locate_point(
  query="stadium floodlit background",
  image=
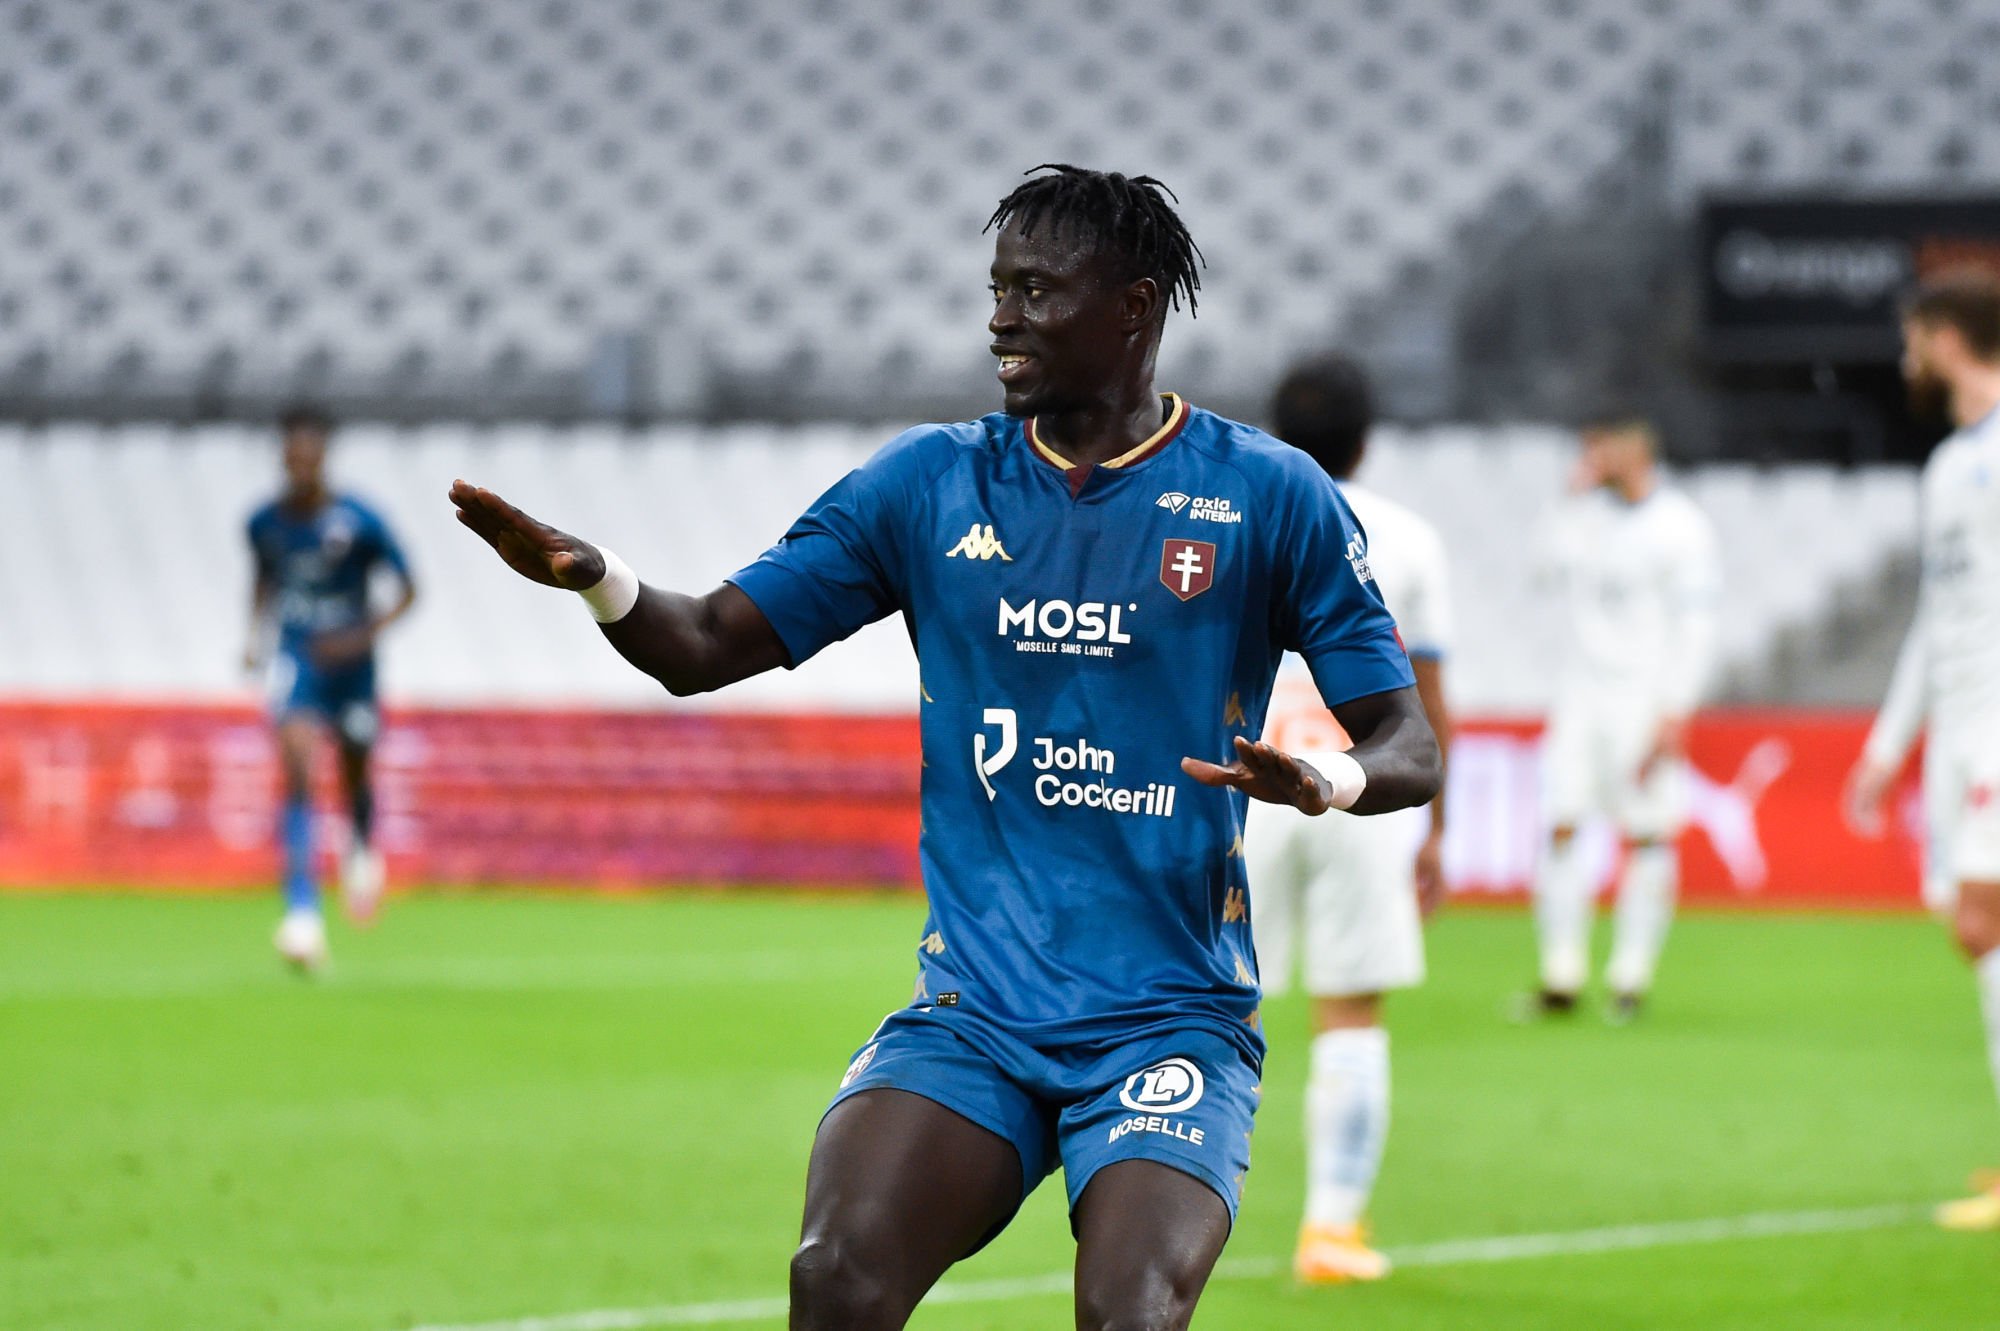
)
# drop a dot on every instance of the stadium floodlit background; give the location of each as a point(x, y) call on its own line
point(661, 272)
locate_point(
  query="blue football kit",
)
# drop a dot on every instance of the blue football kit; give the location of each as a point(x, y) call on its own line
point(318, 566)
point(1086, 982)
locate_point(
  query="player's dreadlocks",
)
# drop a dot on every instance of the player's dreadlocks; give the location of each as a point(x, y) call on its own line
point(1127, 217)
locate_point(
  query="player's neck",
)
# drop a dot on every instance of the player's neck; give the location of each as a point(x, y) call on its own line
point(1638, 486)
point(1975, 396)
point(307, 501)
point(1089, 436)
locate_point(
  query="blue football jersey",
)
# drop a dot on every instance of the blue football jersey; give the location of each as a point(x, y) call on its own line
point(1078, 632)
point(318, 565)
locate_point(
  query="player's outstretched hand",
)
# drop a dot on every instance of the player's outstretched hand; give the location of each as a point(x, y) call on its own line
point(1429, 873)
point(1268, 774)
point(1867, 791)
point(532, 549)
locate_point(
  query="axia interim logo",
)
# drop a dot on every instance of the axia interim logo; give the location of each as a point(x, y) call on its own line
point(1201, 510)
point(1082, 628)
point(980, 543)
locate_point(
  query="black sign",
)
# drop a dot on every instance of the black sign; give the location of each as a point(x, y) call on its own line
point(1801, 279)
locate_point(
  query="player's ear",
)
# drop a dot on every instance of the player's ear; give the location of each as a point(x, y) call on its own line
point(1140, 306)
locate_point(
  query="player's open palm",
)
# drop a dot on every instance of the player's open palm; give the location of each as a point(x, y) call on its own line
point(1265, 773)
point(532, 549)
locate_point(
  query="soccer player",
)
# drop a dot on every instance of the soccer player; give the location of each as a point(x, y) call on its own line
point(1637, 568)
point(1099, 582)
point(1947, 678)
point(314, 553)
point(1343, 894)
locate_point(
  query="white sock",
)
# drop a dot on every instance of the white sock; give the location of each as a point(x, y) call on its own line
point(1563, 909)
point(1347, 1122)
point(1645, 912)
point(1989, 1000)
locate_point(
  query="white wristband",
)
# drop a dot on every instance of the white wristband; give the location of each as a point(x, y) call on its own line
point(612, 596)
point(1344, 774)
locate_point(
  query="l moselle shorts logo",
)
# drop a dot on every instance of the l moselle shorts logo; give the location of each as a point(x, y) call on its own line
point(1170, 1087)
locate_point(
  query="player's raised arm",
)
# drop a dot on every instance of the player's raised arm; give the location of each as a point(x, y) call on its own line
point(691, 644)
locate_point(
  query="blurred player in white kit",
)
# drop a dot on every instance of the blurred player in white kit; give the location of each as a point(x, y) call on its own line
point(1635, 564)
point(1947, 679)
point(1341, 894)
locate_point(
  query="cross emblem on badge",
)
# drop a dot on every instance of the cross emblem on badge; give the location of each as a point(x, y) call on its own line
point(1187, 568)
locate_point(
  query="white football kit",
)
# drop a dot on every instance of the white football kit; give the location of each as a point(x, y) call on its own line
point(1947, 677)
point(1639, 583)
point(1340, 885)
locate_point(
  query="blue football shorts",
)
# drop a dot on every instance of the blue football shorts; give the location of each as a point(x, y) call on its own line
point(343, 697)
point(1185, 1098)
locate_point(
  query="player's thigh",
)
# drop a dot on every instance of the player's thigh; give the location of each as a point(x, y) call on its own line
point(298, 736)
point(1975, 848)
point(925, 1154)
point(1186, 1099)
point(899, 1188)
point(1648, 801)
point(1363, 930)
point(1572, 766)
point(1945, 788)
point(1147, 1238)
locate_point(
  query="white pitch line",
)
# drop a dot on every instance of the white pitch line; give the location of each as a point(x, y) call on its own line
point(1450, 1252)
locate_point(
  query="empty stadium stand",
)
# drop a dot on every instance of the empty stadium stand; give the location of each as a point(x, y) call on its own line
point(153, 519)
point(635, 207)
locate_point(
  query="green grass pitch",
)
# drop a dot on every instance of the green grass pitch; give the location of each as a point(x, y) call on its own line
point(501, 1107)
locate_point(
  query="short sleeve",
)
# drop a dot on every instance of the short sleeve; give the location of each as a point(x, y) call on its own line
point(841, 566)
point(386, 548)
point(260, 552)
point(1330, 612)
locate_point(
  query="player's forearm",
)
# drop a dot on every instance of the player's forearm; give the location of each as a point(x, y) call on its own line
point(398, 610)
point(696, 644)
point(1430, 691)
point(1396, 749)
point(1902, 714)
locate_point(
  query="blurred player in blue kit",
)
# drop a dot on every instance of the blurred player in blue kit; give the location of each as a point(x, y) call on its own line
point(1099, 582)
point(314, 553)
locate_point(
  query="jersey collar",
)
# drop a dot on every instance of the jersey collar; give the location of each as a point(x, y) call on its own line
point(1177, 416)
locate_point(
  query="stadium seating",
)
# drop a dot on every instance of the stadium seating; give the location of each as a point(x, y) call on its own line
point(153, 521)
point(238, 197)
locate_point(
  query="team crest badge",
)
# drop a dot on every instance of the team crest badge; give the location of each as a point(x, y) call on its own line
point(1187, 568)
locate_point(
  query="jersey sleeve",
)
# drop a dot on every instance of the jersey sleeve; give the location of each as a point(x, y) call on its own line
point(385, 548)
point(261, 560)
point(842, 564)
point(1329, 610)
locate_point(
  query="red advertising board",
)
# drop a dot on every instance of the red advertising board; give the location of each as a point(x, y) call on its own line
point(176, 795)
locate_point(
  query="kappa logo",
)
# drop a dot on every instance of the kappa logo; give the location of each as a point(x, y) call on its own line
point(980, 543)
point(1173, 501)
point(1170, 1087)
point(1187, 568)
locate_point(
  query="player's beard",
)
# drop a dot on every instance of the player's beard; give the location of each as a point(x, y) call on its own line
point(1929, 396)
